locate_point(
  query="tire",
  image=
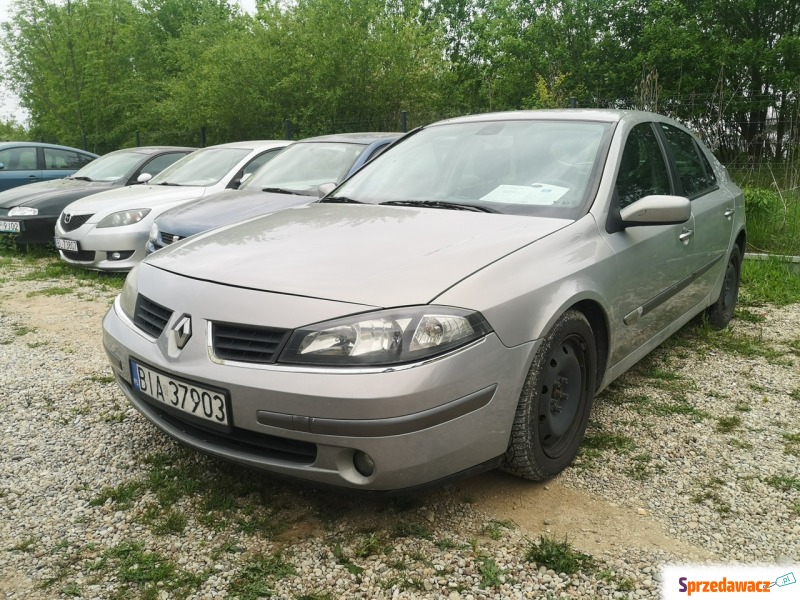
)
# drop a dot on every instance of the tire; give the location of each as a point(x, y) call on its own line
point(719, 314)
point(555, 402)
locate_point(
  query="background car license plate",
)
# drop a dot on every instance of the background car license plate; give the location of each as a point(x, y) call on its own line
point(70, 245)
point(206, 404)
point(9, 226)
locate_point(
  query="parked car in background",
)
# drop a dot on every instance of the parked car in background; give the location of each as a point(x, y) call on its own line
point(108, 231)
point(292, 179)
point(30, 212)
point(22, 163)
point(453, 306)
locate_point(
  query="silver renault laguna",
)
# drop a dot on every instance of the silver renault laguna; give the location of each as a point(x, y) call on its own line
point(452, 307)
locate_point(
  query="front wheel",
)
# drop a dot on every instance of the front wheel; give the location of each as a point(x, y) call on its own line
point(555, 402)
point(720, 313)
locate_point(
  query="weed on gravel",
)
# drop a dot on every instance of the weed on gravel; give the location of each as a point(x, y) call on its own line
point(558, 555)
point(254, 578)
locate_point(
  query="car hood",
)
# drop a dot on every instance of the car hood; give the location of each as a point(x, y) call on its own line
point(372, 255)
point(140, 196)
point(225, 208)
point(41, 195)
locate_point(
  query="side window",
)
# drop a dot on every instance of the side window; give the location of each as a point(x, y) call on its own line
point(63, 159)
point(259, 161)
point(642, 170)
point(18, 159)
point(693, 168)
point(159, 163)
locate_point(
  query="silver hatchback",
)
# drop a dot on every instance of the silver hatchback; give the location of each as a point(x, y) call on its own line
point(454, 306)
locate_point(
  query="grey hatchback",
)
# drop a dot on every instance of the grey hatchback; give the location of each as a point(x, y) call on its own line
point(453, 306)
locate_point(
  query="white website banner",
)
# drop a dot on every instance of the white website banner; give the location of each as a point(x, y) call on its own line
point(729, 582)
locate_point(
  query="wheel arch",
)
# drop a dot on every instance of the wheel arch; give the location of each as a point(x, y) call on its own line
point(598, 320)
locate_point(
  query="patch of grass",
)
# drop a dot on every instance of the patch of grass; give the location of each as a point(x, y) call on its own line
point(123, 495)
point(20, 330)
point(728, 424)
point(742, 407)
point(558, 555)
point(681, 407)
point(709, 494)
point(252, 581)
point(102, 379)
point(490, 573)
point(626, 585)
point(796, 508)
point(792, 444)
point(171, 523)
point(598, 440)
point(494, 529)
point(783, 483)
point(316, 596)
point(640, 469)
point(52, 291)
point(795, 394)
point(342, 559)
point(36, 344)
point(72, 589)
point(769, 282)
point(746, 315)
point(371, 545)
point(136, 565)
point(408, 529)
point(741, 444)
point(26, 545)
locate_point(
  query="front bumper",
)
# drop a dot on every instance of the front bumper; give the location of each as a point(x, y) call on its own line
point(418, 423)
point(34, 229)
point(96, 247)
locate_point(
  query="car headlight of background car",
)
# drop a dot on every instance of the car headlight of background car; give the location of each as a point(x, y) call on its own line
point(124, 217)
point(385, 337)
point(127, 298)
point(23, 211)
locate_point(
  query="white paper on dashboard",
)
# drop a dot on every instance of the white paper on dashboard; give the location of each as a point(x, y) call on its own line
point(543, 194)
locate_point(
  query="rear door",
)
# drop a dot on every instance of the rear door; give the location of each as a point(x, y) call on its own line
point(59, 163)
point(20, 166)
point(712, 206)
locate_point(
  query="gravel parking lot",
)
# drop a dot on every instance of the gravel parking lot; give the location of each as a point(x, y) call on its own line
point(693, 456)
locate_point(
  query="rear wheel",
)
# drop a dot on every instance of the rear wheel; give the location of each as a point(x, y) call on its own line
point(555, 402)
point(720, 313)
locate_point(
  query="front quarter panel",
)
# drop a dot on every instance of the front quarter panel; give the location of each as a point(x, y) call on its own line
point(523, 294)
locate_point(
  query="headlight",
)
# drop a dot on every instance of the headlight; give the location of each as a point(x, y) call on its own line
point(124, 217)
point(23, 211)
point(154, 232)
point(386, 337)
point(130, 290)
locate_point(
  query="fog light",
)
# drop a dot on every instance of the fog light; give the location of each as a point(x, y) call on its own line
point(121, 255)
point(115, 256)
point(363, 463)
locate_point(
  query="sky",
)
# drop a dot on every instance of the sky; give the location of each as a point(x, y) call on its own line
point(9, 103)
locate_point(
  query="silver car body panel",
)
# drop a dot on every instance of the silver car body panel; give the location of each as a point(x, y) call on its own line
point(423, 421)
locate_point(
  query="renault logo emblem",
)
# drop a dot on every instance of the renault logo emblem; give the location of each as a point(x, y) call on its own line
point(182, 330)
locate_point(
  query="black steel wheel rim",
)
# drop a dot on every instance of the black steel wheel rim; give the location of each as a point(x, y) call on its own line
point(729, 287)
point(562, 395)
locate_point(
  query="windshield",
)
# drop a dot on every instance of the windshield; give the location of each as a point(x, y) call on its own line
point(304, 166)
point(203, 167)
point(514, 167)
point(110, 167)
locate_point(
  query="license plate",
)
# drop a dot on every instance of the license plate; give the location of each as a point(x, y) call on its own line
point(69, 245)
point(201, 402)
point(9, 226)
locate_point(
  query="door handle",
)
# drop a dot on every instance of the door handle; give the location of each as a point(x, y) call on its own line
point(32, 177)
point(729, 213)
point(685, 235)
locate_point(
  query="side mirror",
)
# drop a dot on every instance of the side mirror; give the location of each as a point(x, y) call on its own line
point(657, 210)
point(325, 189)
point(2, 166)
point(144, 178)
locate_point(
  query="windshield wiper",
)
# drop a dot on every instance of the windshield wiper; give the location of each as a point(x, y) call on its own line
point(440, 204)
point(340, 200)
point(81, 178)
point(169, 183)
point(277, 190)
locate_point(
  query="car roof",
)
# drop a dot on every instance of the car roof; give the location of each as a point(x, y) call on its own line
point(153, 149)
point(567, 114)
point(42, 145)
point(355, 138)
point(253, 144)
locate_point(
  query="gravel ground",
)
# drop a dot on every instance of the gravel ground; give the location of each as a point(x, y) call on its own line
point(693, 456)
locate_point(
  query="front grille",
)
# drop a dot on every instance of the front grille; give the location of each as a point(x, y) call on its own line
point(150, 317)
point(247, 344)
point(240, 440)
point(72, 222)
point(167, 238)
point(80, 255)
